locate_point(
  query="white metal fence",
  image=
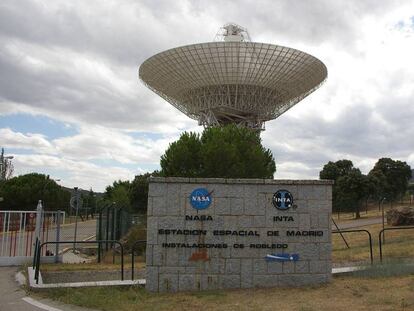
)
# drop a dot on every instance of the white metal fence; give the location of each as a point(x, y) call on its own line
point(19, 230)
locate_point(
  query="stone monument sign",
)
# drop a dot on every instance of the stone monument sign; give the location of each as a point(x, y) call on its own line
point(237, 233)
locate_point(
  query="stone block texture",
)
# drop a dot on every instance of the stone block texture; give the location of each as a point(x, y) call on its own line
point(208, 260)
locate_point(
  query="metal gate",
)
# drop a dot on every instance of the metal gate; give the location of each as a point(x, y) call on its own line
point(19, 230)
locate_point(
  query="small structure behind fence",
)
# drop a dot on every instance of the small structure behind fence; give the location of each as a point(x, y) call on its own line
point(19, 230)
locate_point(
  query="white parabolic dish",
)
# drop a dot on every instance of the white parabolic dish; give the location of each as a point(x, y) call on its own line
point(225, 82)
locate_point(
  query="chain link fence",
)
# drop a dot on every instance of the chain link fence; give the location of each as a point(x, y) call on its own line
point(112, 223)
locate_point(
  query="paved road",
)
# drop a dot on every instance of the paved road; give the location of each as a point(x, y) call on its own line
point(358, 223)
point(85, 230)
point(13, 298)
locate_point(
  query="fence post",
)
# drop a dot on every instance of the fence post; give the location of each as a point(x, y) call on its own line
point(119, 223)
point(114, 214)
point(113, 233)
point(57, 237)
point(35, 253)
point(39, 210)
point(3, 226)
point(107, 228)
point(99, 235)
point(370, 247)
point(76, 218)
point(37, 263)
point(380, 244)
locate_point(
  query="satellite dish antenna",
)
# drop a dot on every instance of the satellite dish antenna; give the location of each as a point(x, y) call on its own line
point(233, 80)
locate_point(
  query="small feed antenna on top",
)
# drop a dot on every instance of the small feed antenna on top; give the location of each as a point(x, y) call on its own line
point(232, 33)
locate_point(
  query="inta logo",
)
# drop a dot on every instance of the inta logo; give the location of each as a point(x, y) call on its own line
point(282, 200)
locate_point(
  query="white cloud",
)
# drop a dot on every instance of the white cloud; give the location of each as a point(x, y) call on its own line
point(95, 142)
point(76, 173)
point(36, 142)
point(75, 155)
point(77, 62)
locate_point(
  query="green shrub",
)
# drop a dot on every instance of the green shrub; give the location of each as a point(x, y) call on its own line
point(136, 233)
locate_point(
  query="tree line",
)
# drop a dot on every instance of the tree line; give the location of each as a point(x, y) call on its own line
point(227, 152)
point(23, 193)
point(387, 180)
point(129, 195)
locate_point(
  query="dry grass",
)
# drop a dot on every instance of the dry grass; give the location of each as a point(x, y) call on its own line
point(372, 212)
point(105, 264)
point(374, 290)
point(399, 244)
point(347, 217)
point(343, 293)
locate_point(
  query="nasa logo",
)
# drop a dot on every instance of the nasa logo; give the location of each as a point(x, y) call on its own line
point(200, 198)
point(282, 200)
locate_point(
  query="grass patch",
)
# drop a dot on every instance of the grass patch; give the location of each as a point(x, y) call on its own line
point(399, 244)
point(343, 293)
point(347, 217)
point(88, 266)
point(372, 212)
point(389, 269)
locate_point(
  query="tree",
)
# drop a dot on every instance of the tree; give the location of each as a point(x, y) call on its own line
point(334, 171)
point(139, 193)
point(90, 202)
point(183, 157)
point(396, 174)
point(23, 193)
point(377, 184)
point(411, 189)
point(228, 152)
point(351, 189)
point(132, 196)
point(91, 198)
point(118, 193)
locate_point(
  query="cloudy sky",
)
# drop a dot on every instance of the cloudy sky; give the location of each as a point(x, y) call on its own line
point(72, 106)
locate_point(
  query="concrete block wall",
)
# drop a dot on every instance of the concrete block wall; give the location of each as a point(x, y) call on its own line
point(237, 261)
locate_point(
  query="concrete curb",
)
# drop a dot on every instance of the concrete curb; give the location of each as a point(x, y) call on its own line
point(139, 282)
point(345, 270)
point(41, 285)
